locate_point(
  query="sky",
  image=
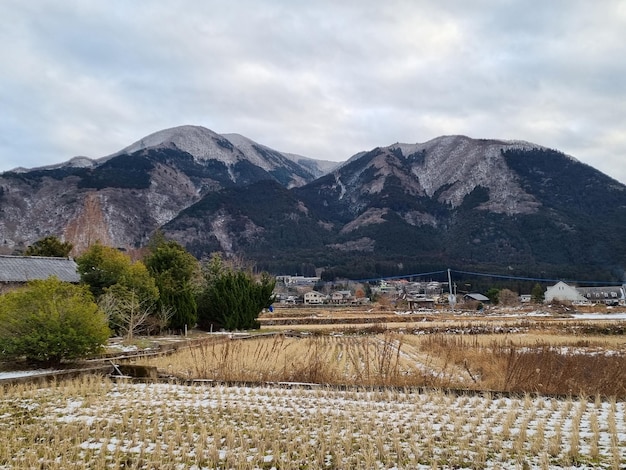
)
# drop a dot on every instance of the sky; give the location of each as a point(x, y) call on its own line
point(321, 78)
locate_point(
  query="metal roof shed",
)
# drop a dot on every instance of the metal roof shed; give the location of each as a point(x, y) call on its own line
point(478, 297)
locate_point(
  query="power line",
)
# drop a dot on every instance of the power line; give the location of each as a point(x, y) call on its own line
point(497, 276)
point(537, 279)
point(403, 276)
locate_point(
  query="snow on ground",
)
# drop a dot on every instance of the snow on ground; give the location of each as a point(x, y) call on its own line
point(113, 425)
point(14, 374)
point(599, 316)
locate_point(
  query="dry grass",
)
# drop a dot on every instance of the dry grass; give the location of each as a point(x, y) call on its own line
point(568, 367)
point(549, 364)
point(363, 360)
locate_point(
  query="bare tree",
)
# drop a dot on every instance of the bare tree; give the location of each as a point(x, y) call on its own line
point(128, 314)
point(508, 298)
point(159, 320)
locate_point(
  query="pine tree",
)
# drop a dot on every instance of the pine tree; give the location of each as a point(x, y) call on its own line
point(49, 246)
point(537, 294)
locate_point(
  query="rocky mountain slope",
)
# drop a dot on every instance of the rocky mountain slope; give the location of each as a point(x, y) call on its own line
point(452, 201)
point(121, 199)
point(449, 202)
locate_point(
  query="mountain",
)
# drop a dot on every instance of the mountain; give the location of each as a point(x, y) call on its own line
point(453, 201)
point(122, 198)
point(469, 204)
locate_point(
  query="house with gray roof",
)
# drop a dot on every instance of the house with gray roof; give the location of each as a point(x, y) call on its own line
point(15, 271)
point(609, 295)
point(476, 297)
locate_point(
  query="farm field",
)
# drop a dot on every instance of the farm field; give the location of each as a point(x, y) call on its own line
point(451, 391)
point(523, 354)
point(96, 423)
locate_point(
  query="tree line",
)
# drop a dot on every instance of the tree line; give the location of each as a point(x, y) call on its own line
point(167, 290)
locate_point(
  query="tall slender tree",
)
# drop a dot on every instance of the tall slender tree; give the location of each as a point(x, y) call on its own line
point(174, 270)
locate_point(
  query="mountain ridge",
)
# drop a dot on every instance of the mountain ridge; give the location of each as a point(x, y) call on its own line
point(452, 199)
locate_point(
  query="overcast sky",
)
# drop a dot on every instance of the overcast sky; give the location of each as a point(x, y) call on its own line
point(325, 79)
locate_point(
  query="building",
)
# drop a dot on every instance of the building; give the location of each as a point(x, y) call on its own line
point(341, 297)
point(314, 298)
point(16, 271)
point(420, 302)
point(294, 281)
point(609, 295)
point(563, 292)
point(475, 297)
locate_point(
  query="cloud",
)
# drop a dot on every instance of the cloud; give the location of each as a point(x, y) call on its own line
point(324, 79)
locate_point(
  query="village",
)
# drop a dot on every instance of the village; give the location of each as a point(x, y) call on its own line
point(419, 295)
point(16, 271)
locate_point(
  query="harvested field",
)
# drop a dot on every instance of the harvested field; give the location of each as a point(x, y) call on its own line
point(96, 423)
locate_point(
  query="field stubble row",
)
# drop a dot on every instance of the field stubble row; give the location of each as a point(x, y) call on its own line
point(95, 423)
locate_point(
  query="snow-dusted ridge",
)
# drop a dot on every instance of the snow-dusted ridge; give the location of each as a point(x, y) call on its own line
point(198, 141)
point(75, 162)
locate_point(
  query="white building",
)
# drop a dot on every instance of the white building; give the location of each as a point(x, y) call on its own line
point(313, 298)
point(563, 293)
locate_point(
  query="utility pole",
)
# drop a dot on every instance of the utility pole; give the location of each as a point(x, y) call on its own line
point(451, 296)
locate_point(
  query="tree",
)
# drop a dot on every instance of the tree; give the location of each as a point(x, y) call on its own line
point(124, 289)
point(102, 266)
point(493, 295)
point(508, 298)
point(174, 270)
point(536, 294)
point(49, 321)
point(49, 246)
point(233, 298)
point(128, 313)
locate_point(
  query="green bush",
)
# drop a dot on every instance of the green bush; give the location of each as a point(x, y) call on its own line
point(233, 299)
point(49, 321)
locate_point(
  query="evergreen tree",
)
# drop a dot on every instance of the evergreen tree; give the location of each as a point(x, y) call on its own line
point(233, 299)
point(494, 295)
point(102, 267)
point(537, 295)
point(49, 246)
point(174, 270)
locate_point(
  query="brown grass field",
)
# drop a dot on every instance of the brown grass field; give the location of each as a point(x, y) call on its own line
point(496, 352)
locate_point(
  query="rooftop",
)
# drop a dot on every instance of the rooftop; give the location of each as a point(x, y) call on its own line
point(27, 268)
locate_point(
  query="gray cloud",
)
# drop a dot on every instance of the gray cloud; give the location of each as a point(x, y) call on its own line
point(324, 79)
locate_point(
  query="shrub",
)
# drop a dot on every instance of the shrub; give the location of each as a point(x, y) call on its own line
point(233, 299)
point(49, 321)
